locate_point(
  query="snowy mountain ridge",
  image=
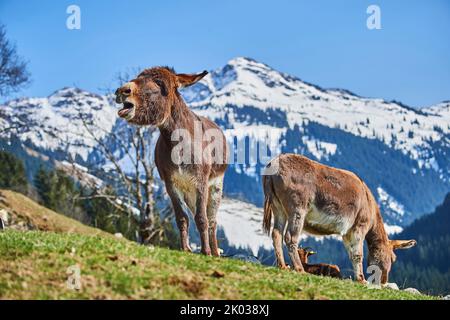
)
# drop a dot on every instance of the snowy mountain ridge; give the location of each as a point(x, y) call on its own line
point(245, 82)
point(56, 123)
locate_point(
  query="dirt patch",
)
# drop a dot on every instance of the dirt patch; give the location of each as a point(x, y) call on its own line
point(191, 285)
point(217, 274)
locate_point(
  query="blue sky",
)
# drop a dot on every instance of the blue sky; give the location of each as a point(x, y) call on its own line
point(323, 42)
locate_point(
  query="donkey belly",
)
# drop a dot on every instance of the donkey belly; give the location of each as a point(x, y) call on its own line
point(185, 185)
point(186, 188)
point(318, 222)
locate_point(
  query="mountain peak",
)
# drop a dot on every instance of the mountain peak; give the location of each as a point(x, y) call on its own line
point(241, 60)
point(71, 93)
point(66, 92)
point(249, 64)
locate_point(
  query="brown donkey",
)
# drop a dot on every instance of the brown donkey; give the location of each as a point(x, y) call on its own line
point(153, 99)
point(320, 269)
point(305, 195)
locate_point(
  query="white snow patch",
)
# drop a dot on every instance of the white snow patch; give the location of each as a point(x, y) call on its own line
point(392, 229)
point(242, 225)
point(319, 149)
point(390, 202)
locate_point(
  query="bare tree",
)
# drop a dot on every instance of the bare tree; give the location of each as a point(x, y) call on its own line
point(135, 188)
point(13, 69)
point(129, 147)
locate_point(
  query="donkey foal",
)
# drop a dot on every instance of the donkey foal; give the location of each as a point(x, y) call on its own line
point(320, 269)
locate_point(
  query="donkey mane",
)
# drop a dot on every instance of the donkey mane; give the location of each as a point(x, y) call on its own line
point(151, 71)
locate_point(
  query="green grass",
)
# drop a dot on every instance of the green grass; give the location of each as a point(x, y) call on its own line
point(33, 265)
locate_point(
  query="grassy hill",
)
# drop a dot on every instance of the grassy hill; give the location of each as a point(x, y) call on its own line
point(25, 214)
point(34, 265)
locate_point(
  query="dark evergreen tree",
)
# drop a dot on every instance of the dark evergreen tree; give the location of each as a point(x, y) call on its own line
point(12, 173)
point(58, 192)
point(104, 215)
point(43, 186)
point(427, 266)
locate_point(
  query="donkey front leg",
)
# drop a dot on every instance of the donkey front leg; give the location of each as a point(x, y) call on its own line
point(201, 218)
point(214, 198)
point(354, 244)
point(292, 237)
point(181, 217)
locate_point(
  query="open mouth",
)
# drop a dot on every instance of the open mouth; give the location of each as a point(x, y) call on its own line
point(127, 108)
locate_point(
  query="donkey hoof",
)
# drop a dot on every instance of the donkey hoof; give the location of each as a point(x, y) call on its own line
point(363, 281)
point(187, 249)
point(206, 252)
point(216, 254)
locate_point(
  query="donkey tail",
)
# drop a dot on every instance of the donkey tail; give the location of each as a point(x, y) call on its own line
point(268, 203)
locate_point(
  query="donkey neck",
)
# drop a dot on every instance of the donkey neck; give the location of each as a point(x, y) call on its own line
point(181, 117)
point(377, 237)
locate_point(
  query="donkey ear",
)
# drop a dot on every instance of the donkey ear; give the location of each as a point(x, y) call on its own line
point(186, 80)
point(311, 252)
point(403, 244)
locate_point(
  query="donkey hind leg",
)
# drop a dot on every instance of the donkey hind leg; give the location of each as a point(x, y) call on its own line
point(181, 216)
point(214, 198)
point(277, 237)
point(354, 243)
point(292, 236)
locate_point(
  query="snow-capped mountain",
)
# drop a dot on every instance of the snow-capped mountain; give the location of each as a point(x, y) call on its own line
point(56, 124)
point(245, 82)
point(402, 153)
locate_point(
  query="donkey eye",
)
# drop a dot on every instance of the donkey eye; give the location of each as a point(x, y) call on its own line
point(161, 86)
